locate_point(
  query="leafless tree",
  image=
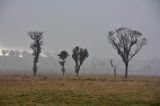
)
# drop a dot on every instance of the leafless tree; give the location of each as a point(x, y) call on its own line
point(127, 42)
point(114, 67)
point(36, 47)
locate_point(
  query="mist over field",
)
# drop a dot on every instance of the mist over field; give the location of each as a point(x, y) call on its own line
point(79, 53)
point(84, 23)
point(11, 64)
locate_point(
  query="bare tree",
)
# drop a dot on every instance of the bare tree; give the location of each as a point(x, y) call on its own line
point(63, 55)
point(79, 55)
point(127, 42)
point(114, 67)
point(36, 47)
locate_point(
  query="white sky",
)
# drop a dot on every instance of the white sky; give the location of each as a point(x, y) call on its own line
point(68, 23)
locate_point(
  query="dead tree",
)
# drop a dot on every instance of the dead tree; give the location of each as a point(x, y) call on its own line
point(36, 47)
point(114, 67)
point(127, 42)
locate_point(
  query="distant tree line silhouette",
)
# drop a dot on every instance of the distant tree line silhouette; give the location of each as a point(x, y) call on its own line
point(15, 53)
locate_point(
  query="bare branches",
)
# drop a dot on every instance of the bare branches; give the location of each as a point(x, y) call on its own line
point(127, 42)
point(37, 36)
point(114, 67)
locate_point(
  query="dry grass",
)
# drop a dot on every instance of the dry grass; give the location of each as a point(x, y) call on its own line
point(87, 90)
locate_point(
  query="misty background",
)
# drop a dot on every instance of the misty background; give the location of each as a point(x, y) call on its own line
point(68, 23)
point(22, 62)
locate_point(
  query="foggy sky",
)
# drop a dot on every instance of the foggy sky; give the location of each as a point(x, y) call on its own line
point(68, 23)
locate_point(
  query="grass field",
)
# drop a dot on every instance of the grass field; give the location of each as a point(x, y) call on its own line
point(87, 90)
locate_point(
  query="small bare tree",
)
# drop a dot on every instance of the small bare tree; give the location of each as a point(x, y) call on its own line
point(36, 47)
point(127, 42)
point(114, 67)
point(79, 55)
point(63, 55)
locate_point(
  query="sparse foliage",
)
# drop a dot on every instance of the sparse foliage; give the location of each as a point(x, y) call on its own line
point(79, 55)
point(36, 47)
point(63, 55)
point(114, 67)
point(127, 42)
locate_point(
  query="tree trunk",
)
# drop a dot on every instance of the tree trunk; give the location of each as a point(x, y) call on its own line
point(114, 73)
point(126, 71)
point(77, 70)
point(35, 68)
point(77, 74)
point(63, 70)
point(63, 73)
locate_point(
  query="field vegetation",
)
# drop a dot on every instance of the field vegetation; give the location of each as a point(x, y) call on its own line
point(86, 90)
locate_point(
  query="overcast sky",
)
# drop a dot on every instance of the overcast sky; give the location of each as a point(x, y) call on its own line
point(68, 23)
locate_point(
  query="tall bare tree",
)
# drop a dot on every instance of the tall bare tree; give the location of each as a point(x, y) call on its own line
point(36, 47)
point(114, 67)
point(63, 55)
point(127, 42)
point(79, 55)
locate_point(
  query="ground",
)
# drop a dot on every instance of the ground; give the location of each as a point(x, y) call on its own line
point(86, 90)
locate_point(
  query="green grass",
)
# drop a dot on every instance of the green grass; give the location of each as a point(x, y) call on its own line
point(83, 91)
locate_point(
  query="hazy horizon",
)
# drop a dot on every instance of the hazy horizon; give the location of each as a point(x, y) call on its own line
point(92, 65)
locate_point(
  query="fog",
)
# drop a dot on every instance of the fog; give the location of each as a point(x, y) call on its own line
point(68, 23)
point(14, 64)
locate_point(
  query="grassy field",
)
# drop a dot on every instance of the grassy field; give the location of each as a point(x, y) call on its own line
point(87, 90)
